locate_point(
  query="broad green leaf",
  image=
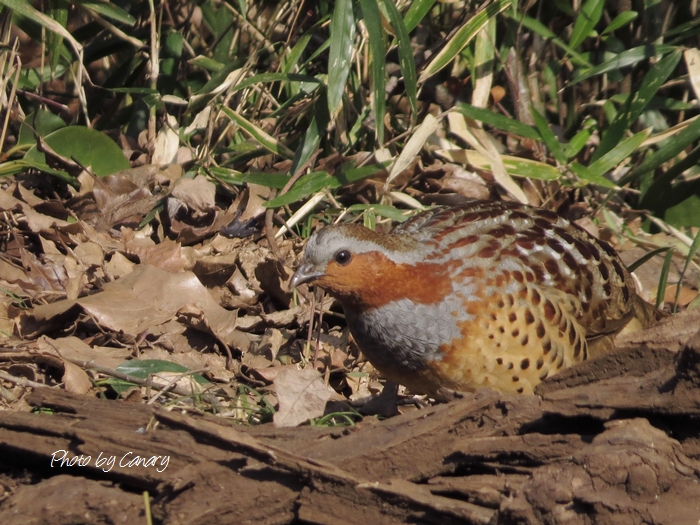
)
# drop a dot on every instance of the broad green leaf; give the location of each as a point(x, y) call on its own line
point(543, 31)
point(618, 154)
point(40, 121)
point(463, 36)
point(416, 12)
point(88, 146)
point(635, 104)
point(661, 193)
point(406, 60)
point(340, 53)
point(267, 141)
point(620, 20)
point(548, 136)
point(499, 121)
point(626, 58)
point(587, 18)
point(373, 23)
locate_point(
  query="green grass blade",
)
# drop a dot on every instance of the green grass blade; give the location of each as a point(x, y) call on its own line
point(406, 61)
point(663, 278)
point(548, 136)
point(267, 141)
point(499, 121)
point(621, 20)
point(635, 104)
point(543, 31)
point(644, 258)
point(587, 18)
point(618, 154)
point(415, 13)
point(314, 132)
point(463, 36)
point(626, 58)
point(668, 150)
point(340, 53)
point(691, 253)
point(373, 22)
point(588, 176)
point(305, 186)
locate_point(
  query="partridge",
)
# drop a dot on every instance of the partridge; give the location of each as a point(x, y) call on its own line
point(485, 294)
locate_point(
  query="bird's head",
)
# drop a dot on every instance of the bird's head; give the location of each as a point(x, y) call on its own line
point(366, 269)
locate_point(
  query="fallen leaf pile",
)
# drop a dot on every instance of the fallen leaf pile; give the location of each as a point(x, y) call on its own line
point(105, 289)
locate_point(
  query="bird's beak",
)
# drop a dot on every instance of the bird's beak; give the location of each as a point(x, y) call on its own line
point(306, 273)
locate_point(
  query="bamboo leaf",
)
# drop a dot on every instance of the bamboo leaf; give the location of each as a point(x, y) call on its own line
point(267, 141)
point(635, 104)
point(340, 53)
point(499, 121)
point(406, 61)
point(415, 13)
point(373, 22)
point(587, 18)
point(624, 59)
point(463, 36)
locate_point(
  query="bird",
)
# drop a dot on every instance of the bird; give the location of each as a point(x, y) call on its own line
point(483, 294)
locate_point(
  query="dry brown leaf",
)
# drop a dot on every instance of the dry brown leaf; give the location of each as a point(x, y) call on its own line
point(302, 395)
point(134, 304)
point(197, 194)
point(166, 255)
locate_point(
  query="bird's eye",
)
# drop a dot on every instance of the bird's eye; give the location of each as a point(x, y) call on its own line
point(343, 257)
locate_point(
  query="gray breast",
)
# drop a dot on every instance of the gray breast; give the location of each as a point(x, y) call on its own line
point(404, 334)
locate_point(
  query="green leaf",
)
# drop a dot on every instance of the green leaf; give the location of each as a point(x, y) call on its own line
point(88, 146)
point(273, 77)
point(543, 31)
point(579, 140)
point(40, 121)
point(463, 36)
point(588, 176)
point(587, 18)
point(548, 136)
point(618, 154)
point(109, 10)
point(620, 20)
point(313, 134)
point(305, 186)
point(406, 60)
point(340, 54)
point(266, 140)
point(668, 150)
point(498, 121)
point(373, 23)
point(233, 177)
point(635, 104)
point(663, 278)
point(624, 59)
point(143, 368)
point(383, 210)
point(416, 12)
